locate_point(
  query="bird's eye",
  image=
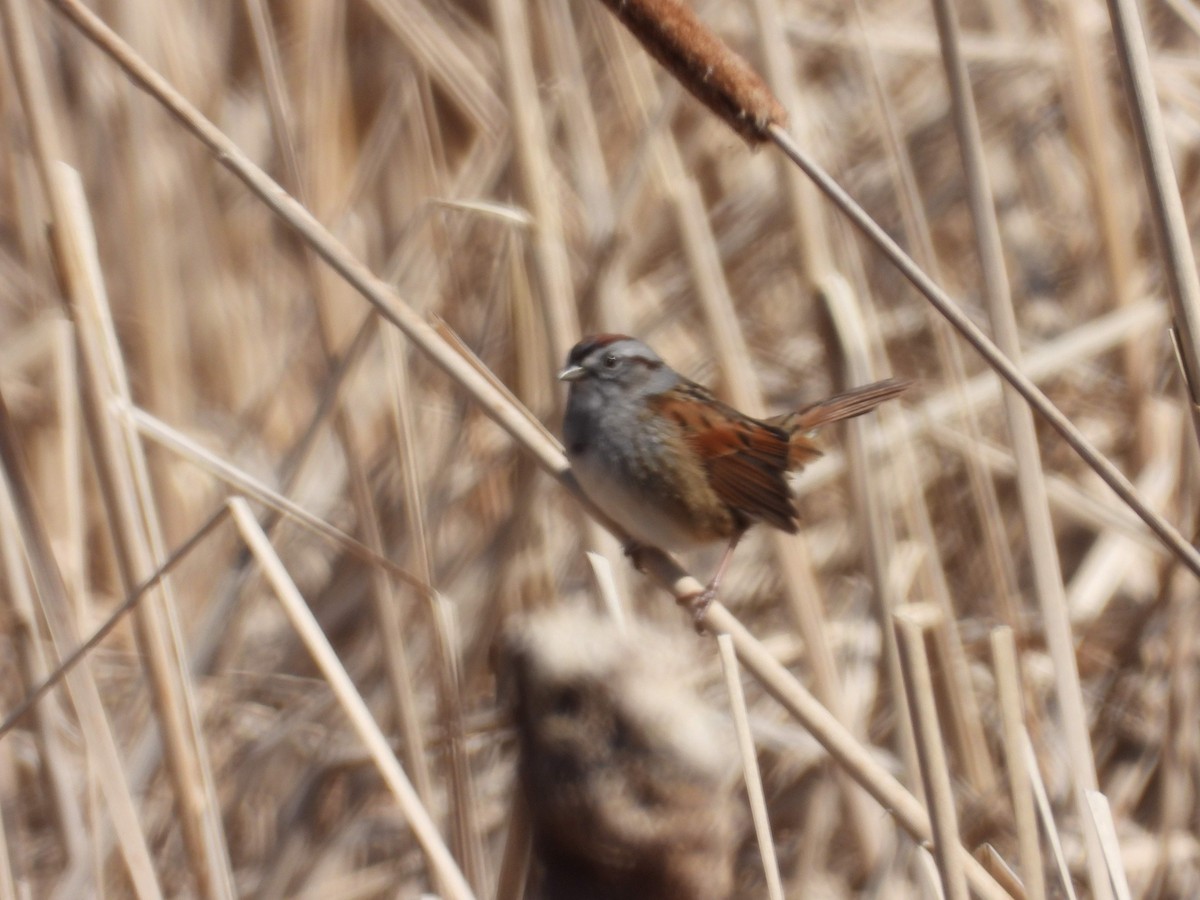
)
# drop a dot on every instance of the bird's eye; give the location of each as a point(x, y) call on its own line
point(610, 361)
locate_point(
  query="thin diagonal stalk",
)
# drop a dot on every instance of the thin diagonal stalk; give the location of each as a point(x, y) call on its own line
point(1102, 819)
point(1066, 352)
point(356, 709)
point(85, 695)
point(995, 358)
point(134, 597)
point(992, 354)
point(173, 440)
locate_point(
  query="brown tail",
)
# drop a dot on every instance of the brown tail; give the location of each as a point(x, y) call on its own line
point(852, 403)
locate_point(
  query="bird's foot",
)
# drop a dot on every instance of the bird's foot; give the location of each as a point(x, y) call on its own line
point(698, 605)
point(635, 553)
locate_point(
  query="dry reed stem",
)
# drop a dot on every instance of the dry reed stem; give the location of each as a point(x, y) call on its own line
point(1102, 821)
point(1046, 816)
point(403, 425)
point(852, 756)
point(441, 863)
point(912, 623)
point(539, 184)
point(385, 606)
point(1035, 509)
point(123, 477)
point(54, 774)
point(1001, 871)
point(1012, 730)
point(130, 507)
point(966, 719)
point(68, 661)
point(32, 665)
point(1089, 110)
point(85, 695)
point(754, 788)
point(74, 567)
point(1166, 205)
point(949, 351)
point(243, 482)
point(606, 585)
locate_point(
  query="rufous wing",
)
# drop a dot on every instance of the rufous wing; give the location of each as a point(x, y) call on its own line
point(745, 460)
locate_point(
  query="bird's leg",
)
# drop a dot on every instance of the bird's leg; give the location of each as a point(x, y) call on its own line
point(699, 604)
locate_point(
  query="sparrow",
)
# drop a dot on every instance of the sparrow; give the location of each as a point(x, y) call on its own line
point(675, 467)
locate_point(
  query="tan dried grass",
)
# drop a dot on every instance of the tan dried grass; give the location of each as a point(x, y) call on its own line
point(514, 175)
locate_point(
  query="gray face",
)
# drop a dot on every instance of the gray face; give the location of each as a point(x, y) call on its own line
point(621, 453)
point(610, 366)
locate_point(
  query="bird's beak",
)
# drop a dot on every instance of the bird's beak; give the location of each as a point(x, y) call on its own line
point(571, 373)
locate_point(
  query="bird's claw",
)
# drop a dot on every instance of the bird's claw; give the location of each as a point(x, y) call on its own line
point(698, 605)
point(634, 552)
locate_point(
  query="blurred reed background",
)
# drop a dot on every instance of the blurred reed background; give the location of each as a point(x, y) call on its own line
point(524, 173)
